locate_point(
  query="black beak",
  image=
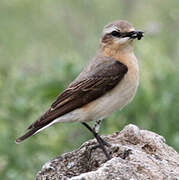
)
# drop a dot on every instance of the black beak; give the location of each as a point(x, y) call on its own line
point(134, 34)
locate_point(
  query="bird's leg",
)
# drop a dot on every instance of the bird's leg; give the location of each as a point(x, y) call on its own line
point(96, 128)
point(101, 142)
point(97, 125)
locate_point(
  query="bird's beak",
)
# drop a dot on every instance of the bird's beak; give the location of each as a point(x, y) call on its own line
point(134, 34)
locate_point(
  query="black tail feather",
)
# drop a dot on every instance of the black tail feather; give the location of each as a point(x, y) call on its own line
point(31, 131)
point(26, 135)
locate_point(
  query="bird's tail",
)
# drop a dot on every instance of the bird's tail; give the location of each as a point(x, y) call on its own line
point(31, 132)
point(34, 129)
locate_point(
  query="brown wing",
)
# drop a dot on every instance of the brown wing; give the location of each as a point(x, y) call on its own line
point(80, 93)
point(105, 77)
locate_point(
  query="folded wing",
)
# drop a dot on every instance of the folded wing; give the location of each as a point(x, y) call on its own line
point(105, 77)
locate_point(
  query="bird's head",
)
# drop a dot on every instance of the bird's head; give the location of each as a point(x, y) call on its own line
point(119, 34)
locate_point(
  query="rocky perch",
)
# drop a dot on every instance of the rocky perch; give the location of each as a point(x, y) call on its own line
point(136, 155)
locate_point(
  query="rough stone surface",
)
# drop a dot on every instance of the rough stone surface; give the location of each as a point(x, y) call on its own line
point(136, 155)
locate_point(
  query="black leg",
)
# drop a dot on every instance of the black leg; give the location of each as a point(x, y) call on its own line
point(101, 142)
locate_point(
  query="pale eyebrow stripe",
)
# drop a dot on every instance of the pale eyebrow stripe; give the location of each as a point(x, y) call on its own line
point(110, 29)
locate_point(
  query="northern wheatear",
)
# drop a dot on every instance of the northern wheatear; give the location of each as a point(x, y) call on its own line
point(106, 85)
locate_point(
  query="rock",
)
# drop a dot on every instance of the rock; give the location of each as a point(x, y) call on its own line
point(136, 155)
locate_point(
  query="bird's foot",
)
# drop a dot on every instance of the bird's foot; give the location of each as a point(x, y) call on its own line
point(101, 142)
point(101, 146)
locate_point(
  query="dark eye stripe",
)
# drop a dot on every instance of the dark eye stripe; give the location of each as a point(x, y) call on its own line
point(116, 33)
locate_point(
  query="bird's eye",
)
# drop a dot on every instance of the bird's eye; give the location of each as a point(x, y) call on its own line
point(116, 33)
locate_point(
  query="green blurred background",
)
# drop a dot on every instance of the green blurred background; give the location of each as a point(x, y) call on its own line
point(45, 44)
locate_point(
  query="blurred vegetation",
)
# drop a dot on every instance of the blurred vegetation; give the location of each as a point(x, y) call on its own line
point(45, 44)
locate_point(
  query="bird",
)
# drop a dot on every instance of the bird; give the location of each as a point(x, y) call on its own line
point(107, 84)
